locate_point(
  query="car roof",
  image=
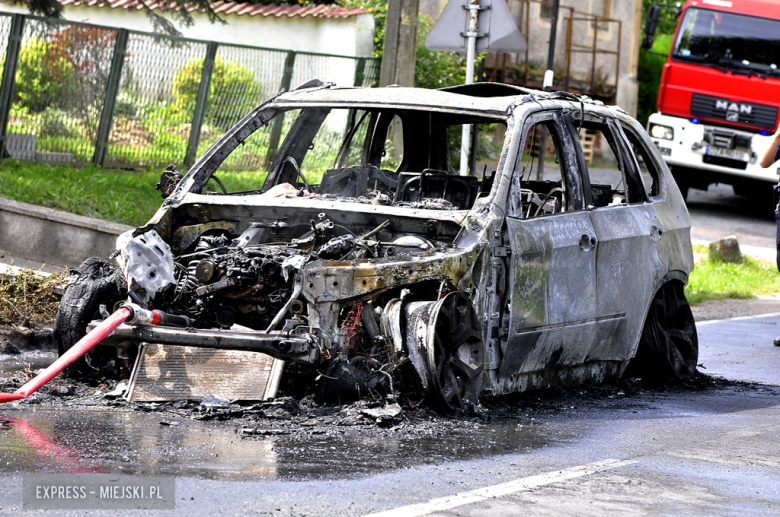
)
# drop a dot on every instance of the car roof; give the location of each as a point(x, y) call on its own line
point(487, 99)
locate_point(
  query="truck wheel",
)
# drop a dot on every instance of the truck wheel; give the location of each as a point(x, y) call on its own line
point(669, 346)
point(95, 282)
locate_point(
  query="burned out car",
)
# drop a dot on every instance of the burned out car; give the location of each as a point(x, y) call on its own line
point(366, 260)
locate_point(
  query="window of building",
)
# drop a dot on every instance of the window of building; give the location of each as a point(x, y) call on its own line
point(546, 10)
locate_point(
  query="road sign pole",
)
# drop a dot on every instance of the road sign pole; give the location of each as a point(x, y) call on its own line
point(547, 85)
point(471, 37)
point(499, 34)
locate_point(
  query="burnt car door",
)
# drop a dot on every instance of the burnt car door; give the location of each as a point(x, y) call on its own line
point(553, 261)
point(623, 222)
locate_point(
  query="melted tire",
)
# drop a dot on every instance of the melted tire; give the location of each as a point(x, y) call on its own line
point(95, 282)
point(456, 352)
point(669, 345)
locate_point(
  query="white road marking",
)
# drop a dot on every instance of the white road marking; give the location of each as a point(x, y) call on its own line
point(710, 322)
point(491, 492)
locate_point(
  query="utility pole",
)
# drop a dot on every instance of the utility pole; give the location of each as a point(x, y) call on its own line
point(400, 46)
point(399, 55)
point(547, 85)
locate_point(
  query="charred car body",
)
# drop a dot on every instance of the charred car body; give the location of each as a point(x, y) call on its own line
point(390, 276)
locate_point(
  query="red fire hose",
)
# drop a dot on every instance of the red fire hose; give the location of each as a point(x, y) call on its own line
point(83, 346)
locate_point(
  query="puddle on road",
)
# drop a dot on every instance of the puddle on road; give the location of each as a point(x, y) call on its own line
point(110, 441)
point(11, 364)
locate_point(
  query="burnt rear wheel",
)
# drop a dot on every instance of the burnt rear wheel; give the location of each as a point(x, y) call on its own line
point(669, 346)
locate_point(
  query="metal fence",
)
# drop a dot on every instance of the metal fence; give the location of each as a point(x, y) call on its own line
point(78, 93)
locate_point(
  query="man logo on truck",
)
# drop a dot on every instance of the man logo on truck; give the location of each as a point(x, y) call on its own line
point(734, 108)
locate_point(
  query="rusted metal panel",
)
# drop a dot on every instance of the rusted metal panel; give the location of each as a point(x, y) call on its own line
point(174, 372)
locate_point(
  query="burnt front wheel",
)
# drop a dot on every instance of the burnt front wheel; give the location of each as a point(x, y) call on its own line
point(96, 282)
point(456, 351)
point(669, 346)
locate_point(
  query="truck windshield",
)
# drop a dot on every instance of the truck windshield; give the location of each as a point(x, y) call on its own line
point(729, 41)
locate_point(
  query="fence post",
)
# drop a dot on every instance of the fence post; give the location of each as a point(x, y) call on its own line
point(200, 104)
point(112, 89)
point(276, 130)
point(360, 71)
point(9, 76)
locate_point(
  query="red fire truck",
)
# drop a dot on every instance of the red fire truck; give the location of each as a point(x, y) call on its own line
point(719, 94)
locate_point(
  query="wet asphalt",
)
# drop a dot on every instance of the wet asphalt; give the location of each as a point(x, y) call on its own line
point(679, 451)
point(708, 452)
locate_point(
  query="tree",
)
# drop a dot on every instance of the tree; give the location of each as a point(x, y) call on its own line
point(651, 64)
point(667, 21)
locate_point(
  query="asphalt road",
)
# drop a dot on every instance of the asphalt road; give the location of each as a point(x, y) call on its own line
point(709, 452)
point(718, 212)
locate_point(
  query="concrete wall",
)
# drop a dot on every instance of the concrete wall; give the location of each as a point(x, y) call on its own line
point(60, 238)
point(353, 36)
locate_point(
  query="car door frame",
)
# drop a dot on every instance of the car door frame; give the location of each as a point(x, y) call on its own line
point(551, 325)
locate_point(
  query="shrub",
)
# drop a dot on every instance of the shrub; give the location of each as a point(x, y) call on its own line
point(44, 77)
point(129, 105)
point(651, 67)
point(232, 92)
point(55, 122)
point(436, 69)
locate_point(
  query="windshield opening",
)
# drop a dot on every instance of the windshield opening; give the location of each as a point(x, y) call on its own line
point(729, 41)
point(388, 157)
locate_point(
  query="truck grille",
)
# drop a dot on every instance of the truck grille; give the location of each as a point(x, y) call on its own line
point(757, 115)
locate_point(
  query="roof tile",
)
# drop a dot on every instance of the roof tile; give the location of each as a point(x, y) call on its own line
point(234, 8)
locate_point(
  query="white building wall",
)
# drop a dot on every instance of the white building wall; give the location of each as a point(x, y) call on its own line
point(353, 36)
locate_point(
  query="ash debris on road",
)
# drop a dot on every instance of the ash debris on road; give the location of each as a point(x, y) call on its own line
point(28, 302)
point(306, 416)
point(303, 414)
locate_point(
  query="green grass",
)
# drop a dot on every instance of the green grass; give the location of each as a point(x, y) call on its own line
point(119, 196)
point(714, 279)
point(122, 197)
